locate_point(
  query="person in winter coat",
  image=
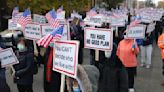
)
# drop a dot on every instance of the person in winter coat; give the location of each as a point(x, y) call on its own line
point(161, 46)
point(129, 48)
point(113, 75)
point(86, 81)
point(3, 85)
point(23, 76)
point(146, 50)
point(52, 79)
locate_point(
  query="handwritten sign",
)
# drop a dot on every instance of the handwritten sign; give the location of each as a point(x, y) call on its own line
point(39, 19)
point(32, 31)
point(146, 18)
point(136, 32)
point(12, 25)
point(8, 57)
point(95, 20)
point(47, 29)
point(66, 57)
point(151, 27)
point(97, 38)
point(119, 22)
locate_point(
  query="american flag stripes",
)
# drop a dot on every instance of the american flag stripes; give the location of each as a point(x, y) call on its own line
point(52, 18)
point(14, 13)
point(55, 34)
point(92, 12)
point(25, 18)
point(135, 22)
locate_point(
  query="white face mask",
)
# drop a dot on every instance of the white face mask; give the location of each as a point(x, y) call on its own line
point(108, 54)
point(21, 47)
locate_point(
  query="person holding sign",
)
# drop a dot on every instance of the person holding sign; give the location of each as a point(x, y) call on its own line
point(3, 85)
point(128, 48)
point(23, 75)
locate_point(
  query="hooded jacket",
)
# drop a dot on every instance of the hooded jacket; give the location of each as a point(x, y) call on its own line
point(87, 77)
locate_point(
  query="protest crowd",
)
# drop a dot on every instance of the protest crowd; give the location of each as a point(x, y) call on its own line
point(114, 37)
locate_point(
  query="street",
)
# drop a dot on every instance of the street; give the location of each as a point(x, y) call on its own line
point(147, 80)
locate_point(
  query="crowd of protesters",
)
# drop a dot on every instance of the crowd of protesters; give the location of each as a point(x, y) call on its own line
point(114, 72)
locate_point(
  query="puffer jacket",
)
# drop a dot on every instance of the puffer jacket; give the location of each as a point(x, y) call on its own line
point(24, 69)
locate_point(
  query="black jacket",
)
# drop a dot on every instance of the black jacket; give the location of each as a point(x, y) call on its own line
point(24, 70)
point(113, 76)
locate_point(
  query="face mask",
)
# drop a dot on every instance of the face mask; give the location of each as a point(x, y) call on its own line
point(21, 47)
point(76, 89)
point(108, 54)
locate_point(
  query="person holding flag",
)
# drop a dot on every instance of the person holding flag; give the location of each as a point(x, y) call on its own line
point(25, 18)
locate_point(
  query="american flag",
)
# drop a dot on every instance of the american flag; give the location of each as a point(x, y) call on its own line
point(92, 12)
point(25, 18)
point(52, 18)
point(55, 34)
point(14, 13)
point(60, 9)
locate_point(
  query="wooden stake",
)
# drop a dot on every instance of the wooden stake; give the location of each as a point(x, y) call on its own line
point(97, 55)
point(62, 86)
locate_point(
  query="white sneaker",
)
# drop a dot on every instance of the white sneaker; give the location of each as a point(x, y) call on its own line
point(131, 90)
point(147, 66)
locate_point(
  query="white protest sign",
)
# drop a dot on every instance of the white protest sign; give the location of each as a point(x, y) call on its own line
point(146, 18)
point(7, 57)
point(12, 25)
point(151, 27)
point(61, 15)
point(136, 32)
point(98, 38)
point(119, 22)
point(39, 19)
point(96, 20)
point(66, 57)
point(32, 31)
point(47, 29)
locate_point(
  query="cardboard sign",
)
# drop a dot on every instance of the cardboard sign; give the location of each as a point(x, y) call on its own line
point(151, 27)
point(146, 18)
point(119, 22)
point(99, 39)
point(136, 32)
point(8, 57)
point(32, 31)
point(39, 19)
point(95, 20)
point(47, 29)
point(12, 25)
point(61, 15)
point(66, 57)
